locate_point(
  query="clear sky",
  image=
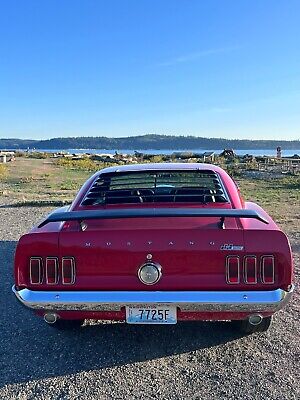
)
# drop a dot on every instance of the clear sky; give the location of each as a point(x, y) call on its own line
point(207, 68)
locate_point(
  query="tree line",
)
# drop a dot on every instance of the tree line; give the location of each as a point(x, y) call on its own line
point(147, 142)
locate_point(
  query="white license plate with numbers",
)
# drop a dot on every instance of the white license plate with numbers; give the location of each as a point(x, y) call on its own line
point(152, 314)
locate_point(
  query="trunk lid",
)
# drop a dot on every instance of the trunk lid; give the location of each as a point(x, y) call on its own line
point(191, 252)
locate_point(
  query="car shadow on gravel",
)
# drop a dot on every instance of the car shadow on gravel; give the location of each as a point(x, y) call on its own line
point(32, 350)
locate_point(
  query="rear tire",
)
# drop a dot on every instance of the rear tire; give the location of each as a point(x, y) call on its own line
point(245, 327)
point(67, 324)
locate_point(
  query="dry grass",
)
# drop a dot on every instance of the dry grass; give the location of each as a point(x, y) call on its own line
point(3, 171)
point(33, 180)
point(41, 180)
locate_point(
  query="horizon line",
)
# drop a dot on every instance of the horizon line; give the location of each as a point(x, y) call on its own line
point(147, 135)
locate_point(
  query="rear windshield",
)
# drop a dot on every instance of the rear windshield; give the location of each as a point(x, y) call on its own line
point(156, 186)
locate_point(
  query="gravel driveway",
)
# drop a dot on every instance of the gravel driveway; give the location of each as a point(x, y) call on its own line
point(115, 360)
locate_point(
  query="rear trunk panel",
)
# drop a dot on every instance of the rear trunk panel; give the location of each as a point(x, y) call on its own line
point(109, 253)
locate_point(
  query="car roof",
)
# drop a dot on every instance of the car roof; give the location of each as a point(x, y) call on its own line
point(161, 167)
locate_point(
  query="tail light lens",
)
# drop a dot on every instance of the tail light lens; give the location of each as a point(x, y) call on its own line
point(233, 269)
point(268, 269)
point(250, 269)
point(51, 270)
point(68, 271)
point(35, 270)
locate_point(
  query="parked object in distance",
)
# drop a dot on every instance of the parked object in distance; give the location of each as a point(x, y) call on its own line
point(155, 244)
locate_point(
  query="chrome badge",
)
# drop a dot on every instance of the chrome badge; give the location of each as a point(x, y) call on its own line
point(231, 247)
point(150, 273)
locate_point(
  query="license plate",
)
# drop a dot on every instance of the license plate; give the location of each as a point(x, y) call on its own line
point(152, 314)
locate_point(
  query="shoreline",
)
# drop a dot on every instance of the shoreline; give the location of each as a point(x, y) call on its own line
point(238, 152)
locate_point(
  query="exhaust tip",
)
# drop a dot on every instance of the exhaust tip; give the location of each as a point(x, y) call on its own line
point(255, 319)
point(50, 318)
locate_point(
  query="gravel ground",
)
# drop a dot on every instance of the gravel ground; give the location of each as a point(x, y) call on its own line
point(115, 360)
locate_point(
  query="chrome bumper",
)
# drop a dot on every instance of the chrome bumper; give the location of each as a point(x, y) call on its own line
point(219, 301)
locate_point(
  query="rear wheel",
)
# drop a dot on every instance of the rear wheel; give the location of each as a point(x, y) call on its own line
point(67, 324)
point(246, 327)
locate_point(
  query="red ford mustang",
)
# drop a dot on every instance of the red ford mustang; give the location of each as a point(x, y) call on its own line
point(154, 244)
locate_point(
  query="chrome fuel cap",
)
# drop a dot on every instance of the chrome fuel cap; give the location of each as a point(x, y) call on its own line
point(150, 273)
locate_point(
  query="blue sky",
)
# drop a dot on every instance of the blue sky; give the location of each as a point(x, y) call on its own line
point(116, 68)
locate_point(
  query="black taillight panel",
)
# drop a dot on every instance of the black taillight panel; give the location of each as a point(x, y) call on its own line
point(250, 269)
point(233, 270)
point(68, 270)
point(52, 271)
point(36, 270)
point(268, 269)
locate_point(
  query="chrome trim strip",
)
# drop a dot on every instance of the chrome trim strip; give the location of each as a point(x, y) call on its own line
point(252, 301)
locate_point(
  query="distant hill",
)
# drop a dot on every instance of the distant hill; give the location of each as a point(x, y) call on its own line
point(147, 142)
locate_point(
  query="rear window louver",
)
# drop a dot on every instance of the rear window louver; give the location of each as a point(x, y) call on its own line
point(152, 187)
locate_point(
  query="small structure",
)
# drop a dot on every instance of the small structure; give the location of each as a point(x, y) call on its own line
point(278, 152)
point(227, 153)
point(209, 156)
point(7, 156)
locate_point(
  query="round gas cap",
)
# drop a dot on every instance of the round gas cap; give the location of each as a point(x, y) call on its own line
point(149, 273)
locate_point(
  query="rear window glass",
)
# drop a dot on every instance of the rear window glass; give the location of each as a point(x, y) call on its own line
point(156, 186)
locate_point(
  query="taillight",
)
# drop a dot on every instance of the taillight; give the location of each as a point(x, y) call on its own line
point(51, 270)
point(35, 270)
point(251, 272)
point(268, 269)
point(233, 269)
point(250, 269)
point(68, 270)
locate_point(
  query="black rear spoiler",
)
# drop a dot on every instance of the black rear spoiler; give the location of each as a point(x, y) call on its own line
point(152, 213)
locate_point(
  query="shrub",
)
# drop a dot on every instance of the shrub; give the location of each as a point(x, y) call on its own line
point(37, 154)
point(84, 164)
point(3, 171)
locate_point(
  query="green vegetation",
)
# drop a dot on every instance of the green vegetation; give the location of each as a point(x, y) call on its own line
point(149, 142)
point(84, 164)
point(37, 154)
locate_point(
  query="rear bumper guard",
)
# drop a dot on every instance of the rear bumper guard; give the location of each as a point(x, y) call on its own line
point(197, 301)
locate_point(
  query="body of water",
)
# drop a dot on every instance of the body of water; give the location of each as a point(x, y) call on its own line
point(257, 152)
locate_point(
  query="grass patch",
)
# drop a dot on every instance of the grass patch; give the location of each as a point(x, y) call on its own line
point(37, 203)
point(279, 197)
point(41, 180)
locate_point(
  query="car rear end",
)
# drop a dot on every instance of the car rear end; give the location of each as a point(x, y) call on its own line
point(156, 269)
